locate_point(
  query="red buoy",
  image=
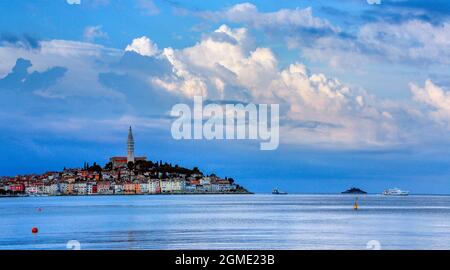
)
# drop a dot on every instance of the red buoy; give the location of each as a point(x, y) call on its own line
point(34, 230)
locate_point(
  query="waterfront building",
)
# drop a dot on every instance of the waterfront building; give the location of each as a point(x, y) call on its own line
point(47, 188)
point(91, 188)
point(51, 189)
point(203, 188)
point(137, 187)
point(154, 186)
point(70, 189)
point(118, 188)
point(104, 187)
point(172, 185)
point(205, 181)
point(194, 182)
point(190, 188)
point(80, 188)
point(63, 188)
point(31, 189)
point(144, 187)
point(40, 187)
point(17, 188)
point(129, 188)
point(220, 187)
point(166, 187)
point(178, 185)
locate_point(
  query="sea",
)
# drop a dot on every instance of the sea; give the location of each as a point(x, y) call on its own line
point(259, 221)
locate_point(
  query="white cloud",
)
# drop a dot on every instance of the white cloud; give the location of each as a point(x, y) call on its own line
point(91, 33)
point(223, 56)
point(436, 99)
point(68, 48)
point(412, 41)
point(84, 62)
point(74, 2)
point(89, 3)
point(148, 7)
point(374, 2)
point(143, 46)
point(288, 19)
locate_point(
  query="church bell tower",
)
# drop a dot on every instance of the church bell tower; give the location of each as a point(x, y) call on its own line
point(130, 146)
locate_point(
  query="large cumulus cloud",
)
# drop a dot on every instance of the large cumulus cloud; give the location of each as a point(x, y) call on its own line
point(226, 65)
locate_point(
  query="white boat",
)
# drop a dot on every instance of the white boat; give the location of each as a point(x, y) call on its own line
point(395, 192)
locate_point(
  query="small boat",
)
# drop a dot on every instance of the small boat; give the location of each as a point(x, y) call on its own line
point(276, 191)
point(395, 192)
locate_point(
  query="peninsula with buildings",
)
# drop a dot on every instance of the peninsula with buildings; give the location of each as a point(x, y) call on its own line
point(130, 175)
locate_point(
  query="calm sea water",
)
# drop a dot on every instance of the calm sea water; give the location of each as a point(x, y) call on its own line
point(226, 222)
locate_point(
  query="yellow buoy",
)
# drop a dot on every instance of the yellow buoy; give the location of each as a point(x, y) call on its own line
point(355, 205)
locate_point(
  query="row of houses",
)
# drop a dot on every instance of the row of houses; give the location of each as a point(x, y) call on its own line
point(78, 181)
point(153, 186)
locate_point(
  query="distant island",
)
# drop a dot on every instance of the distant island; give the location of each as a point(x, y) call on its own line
point(128, 175)
point(354, 191)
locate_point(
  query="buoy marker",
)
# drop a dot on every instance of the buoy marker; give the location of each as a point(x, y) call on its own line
point(34, 230)
point(355, 205)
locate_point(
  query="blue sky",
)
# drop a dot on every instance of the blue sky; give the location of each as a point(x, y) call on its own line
point(363, 88)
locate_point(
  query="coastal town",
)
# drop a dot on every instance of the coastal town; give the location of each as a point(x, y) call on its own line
point(128, 175)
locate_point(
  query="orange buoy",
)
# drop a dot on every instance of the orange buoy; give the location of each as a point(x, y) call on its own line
point(34, 230)
point(355, 205)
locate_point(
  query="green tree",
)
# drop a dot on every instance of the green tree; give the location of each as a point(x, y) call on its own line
point(130, 165)
point(95, 168)
point(196, 170)
point(108, 166)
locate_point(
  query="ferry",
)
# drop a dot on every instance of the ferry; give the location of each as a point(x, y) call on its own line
point(395, 192)
point(276, 191)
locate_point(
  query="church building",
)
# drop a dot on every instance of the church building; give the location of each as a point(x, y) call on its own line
point(119, 162)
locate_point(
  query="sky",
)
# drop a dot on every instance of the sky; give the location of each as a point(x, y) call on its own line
point(363, 87)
